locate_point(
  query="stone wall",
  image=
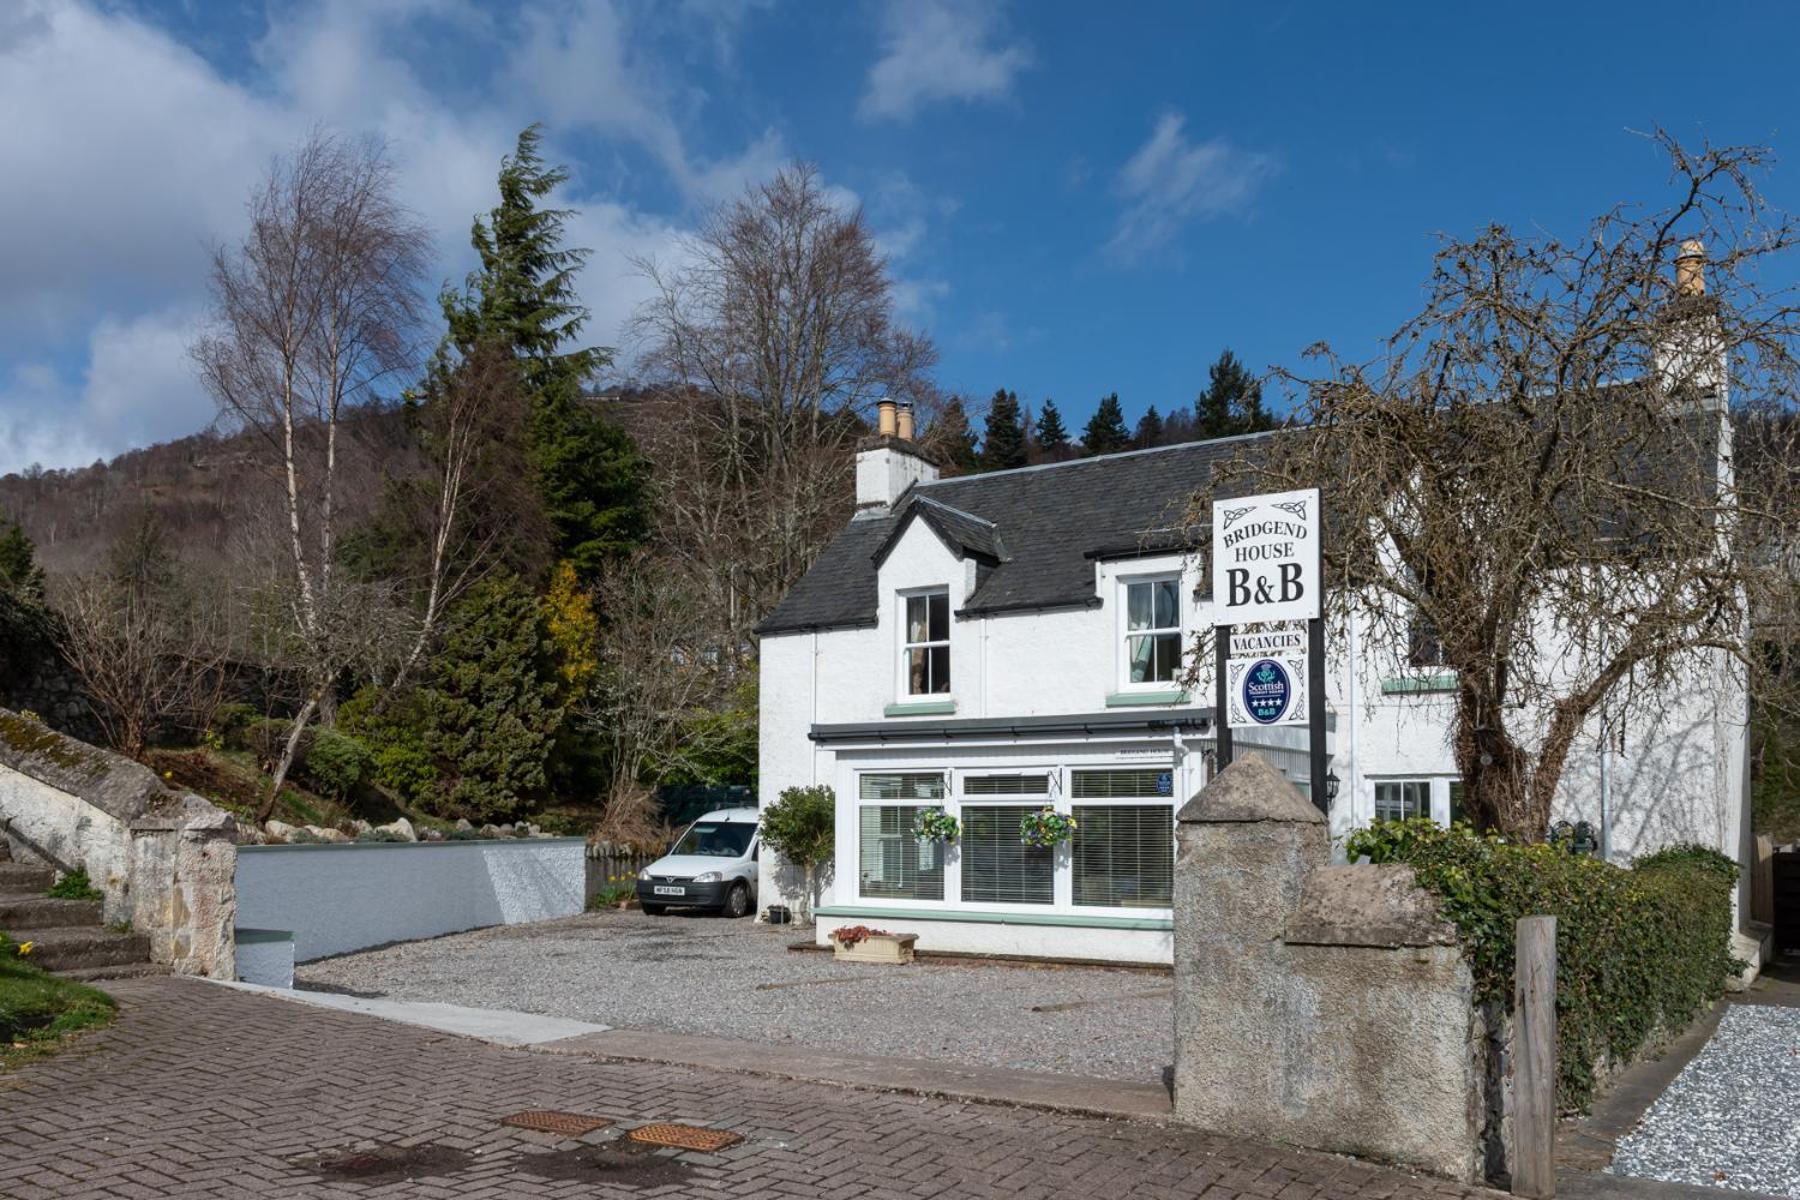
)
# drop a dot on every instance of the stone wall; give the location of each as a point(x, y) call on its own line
point(163, 859)
point(1318, 1006)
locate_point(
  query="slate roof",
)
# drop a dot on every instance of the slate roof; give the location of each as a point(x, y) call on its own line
point(1037, 531)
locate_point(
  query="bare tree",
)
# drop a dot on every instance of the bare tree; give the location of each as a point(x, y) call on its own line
point(660, 668)
point(314, 311)
point(145, 646)
point(770, 341)
point(1540, 488)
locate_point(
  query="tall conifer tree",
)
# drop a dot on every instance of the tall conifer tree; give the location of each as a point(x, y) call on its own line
point(589, 475)
point(953, 438)
point(1231, 402)
point(1003, 446)
point(1106, 432)
point(1052, 437)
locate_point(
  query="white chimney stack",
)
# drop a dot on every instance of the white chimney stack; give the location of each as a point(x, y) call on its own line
point(890, 462)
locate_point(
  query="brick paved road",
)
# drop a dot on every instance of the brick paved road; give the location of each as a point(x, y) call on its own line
point(201, 1091)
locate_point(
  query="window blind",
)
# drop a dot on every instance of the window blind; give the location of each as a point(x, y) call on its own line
point(1006, 785)
point(997, 868)
point(893, 863)
point(1123, 856)
point(1126, 783)
point(910, 785)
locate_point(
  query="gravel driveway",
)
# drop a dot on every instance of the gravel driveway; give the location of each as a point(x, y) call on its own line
point(1731, 1119)
point(706, 975)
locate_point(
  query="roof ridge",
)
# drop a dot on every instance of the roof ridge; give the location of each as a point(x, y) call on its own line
point(1098, 458)
point(961, 512)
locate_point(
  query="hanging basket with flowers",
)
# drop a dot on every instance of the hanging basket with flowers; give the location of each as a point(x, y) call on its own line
point(936, 825)
point(1046, 827)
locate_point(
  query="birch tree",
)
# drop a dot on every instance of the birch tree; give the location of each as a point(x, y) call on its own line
point(314, 312)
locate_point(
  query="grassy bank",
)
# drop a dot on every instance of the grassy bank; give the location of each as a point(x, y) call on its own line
point(38, 1010)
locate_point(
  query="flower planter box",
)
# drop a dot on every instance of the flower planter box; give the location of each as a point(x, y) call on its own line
point(877, 948)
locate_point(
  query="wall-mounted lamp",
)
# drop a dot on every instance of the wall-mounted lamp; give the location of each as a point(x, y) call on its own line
point(1331, 785)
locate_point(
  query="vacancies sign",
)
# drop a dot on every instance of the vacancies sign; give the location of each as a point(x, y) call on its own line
point(1265, 558)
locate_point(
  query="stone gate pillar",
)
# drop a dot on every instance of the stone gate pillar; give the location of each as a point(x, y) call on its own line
point(1316, 1005)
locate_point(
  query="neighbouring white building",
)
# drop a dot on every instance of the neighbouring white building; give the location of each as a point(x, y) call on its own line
point(996, 643)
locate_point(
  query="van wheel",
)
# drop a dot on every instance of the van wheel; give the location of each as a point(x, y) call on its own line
point(737, 901)
point(653, 910)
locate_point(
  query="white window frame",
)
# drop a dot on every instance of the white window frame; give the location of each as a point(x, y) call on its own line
point(903, 685)
point(916, 803)
point(1118, 802)
point(1056, 797)
point(1437, 794)
point(1123, 633)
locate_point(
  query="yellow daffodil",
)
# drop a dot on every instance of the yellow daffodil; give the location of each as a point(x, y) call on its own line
point(25, 948)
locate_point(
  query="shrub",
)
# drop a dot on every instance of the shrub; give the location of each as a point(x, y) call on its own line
point(801, 826)
point(337, 762)
point(231, 722)
point(1638, 950)
point(74, 885)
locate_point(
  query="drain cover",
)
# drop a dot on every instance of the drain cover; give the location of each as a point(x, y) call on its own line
point(548, 1121)
point(684, 1137)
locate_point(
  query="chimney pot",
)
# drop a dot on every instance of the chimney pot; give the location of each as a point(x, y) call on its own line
point(906, 421)
point(884, 421)
point(1690, 268)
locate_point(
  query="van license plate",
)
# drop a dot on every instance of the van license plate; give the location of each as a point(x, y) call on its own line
point(669, 891)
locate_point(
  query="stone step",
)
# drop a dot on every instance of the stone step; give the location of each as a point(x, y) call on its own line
point(73, 949)
point(132, 970)
point(24, 877)
point(41, 912)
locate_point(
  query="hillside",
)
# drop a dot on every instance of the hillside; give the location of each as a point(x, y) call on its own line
point(214, 492)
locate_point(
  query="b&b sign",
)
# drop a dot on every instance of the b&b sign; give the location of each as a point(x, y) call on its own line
point(1265, 558)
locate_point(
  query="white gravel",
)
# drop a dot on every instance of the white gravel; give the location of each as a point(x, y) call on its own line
point(707, 975)
point(1731, 1119)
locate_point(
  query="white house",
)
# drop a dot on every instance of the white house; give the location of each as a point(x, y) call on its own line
point(996, 643)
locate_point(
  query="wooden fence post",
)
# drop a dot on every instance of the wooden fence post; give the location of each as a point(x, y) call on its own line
point(1762, 880)
point(1534, 1059)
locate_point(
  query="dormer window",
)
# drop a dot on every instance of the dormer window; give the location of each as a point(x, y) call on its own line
point(925, 656)
point(1152, 630)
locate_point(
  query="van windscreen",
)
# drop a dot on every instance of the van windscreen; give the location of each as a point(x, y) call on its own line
point(716, 839)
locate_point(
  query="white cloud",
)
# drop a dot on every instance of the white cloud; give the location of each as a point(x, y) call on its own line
point(126, 155)
point(940, 50)
point(137, 388)
point(1171, 181)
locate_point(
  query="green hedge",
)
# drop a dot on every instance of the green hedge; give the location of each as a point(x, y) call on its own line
point(1637, 949)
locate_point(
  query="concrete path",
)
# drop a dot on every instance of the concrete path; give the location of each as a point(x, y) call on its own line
point(207, 1091)
point(483, 1024)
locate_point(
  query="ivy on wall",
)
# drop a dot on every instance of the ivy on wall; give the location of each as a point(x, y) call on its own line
point(1639, 949)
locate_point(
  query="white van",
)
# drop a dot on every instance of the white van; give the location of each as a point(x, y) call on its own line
point(711, 865)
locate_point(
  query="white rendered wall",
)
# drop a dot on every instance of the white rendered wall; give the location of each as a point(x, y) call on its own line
point(1681, 774)
point(347, 897)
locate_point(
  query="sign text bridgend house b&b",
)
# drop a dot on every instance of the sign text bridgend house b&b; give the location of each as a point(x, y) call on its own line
point(1265, 558)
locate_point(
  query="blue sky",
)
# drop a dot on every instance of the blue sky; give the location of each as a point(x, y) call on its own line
point(1075, 198)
